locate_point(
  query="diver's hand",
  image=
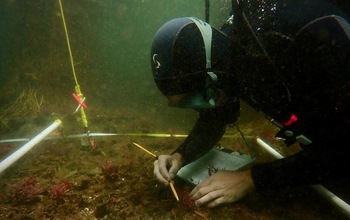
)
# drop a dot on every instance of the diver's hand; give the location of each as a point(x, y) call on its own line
point(223, 187)
point(166, 167)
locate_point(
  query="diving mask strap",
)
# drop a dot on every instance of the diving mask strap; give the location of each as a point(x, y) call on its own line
point(206, 32)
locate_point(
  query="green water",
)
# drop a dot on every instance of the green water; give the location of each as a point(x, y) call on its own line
point(110, 42)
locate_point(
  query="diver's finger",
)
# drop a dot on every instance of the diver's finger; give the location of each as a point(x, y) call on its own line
point(211, 198)
point(201, 189)
point(163, 164)
point(158, 175)
point(175, 167)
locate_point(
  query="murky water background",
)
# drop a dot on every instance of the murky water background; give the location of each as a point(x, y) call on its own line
point(110, 43)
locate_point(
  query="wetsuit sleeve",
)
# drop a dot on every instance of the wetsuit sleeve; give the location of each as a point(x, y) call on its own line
point(207, 131)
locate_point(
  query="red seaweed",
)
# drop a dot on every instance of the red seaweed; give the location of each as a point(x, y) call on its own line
point(26, 191)
point(60, 190)
point(110, 170)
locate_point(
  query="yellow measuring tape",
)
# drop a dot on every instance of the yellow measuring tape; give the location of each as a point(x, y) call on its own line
point(77, 87)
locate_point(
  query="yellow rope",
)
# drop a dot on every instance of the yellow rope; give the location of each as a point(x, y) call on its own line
point(67, 37)
point(77, 87)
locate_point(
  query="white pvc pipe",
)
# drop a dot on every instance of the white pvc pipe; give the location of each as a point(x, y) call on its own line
point(323, 191)
point(269, 149)
point(28, 146)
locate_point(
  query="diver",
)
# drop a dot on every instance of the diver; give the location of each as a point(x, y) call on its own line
point(285, 58)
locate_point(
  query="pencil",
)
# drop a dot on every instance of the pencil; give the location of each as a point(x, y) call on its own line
point(171, 182)
point(144, 149)
point(173, 189)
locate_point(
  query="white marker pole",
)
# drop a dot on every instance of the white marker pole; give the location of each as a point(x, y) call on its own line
point(323, 191)
point(28, 146)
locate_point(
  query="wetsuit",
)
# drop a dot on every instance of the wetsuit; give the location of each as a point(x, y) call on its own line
point(296, 65)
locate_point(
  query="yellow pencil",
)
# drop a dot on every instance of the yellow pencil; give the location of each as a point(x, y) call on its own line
point(171, 182)
point(144, 149)
point(173, 189)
